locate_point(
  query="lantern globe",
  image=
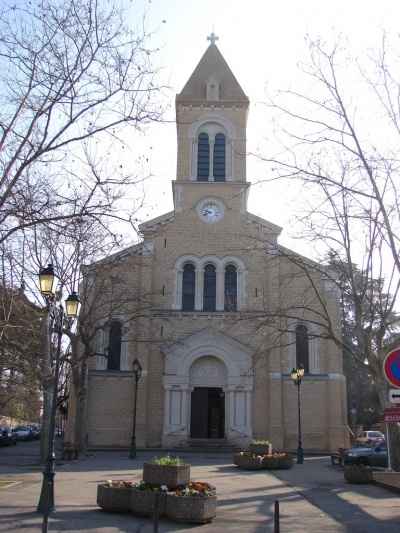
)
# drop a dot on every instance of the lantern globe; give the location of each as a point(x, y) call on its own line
point(46, 280)
point(72, 305)
point(300, 371)
point(293, 374)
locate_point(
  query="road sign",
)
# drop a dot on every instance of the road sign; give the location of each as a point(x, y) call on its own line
point(391, 367)
point(394, 396)
point(392, 414)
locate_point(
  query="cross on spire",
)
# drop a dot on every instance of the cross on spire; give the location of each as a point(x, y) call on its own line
point(212, 38)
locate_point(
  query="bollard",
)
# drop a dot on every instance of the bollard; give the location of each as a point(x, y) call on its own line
point(156, 512)
point(276, 517)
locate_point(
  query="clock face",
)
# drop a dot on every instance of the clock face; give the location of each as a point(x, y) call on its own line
point(211, 212)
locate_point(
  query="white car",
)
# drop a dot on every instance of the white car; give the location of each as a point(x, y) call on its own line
point(371, 437)
point(22, 432)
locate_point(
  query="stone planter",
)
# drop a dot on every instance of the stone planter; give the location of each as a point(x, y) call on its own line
point(172, 476)
point(271, 462)
point(248, 462)
point(143, 502)
point(260, 449)
point(191, 509)
point(114, 499)
point(358, 474)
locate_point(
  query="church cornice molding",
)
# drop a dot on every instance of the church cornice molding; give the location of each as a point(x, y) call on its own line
point(155, 223)
point(268, 226)
point(188, 104)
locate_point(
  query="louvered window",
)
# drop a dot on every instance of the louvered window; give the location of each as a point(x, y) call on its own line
point(219, 157)
point(210, 286)
point(230, 288)
point(302, 347)
point(203, 157)
point(114, 346)
point(188, 287)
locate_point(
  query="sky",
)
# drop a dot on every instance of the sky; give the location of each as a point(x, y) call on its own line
point(263, 43)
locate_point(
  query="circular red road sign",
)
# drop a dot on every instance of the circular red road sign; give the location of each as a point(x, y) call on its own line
point(391, 367)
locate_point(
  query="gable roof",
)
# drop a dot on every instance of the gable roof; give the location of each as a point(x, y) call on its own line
point(212, 65)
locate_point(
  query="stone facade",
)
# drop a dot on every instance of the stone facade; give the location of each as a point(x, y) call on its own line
point(216, 374)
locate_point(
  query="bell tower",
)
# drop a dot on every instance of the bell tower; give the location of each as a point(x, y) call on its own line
point(211, 118)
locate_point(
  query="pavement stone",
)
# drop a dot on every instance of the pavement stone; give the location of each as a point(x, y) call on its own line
point(313, 498)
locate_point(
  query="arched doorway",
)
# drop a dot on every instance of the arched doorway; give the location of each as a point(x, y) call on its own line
point(212, 360)
point(207, 412)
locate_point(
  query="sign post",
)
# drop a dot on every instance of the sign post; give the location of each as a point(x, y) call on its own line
point(391, 371)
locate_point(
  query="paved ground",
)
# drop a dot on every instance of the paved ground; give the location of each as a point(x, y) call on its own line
point(313, 497)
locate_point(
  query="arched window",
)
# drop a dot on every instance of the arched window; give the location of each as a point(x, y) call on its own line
point(188, 287)
point(302, 347)
point(219, 158)
point(230, 288)
point(210, 288)
point(203, 157)
point(114, 346)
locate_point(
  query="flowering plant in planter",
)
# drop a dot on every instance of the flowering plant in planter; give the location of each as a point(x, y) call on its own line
point(142, 485)
point(167, 460)
point(260, 446)
point(248, 460)
point(196, 488)
point(119, 484)
point(278, 460)
point(253, 461)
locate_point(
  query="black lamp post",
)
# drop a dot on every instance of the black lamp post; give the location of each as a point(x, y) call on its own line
point(59, 319)
point(137, 373)
point(297, 375)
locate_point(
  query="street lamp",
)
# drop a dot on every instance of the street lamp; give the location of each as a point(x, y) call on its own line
point(137, 372)
point(58, 321)
point(297, 375)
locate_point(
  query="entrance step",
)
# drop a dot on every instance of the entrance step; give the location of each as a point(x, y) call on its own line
point(211, 445)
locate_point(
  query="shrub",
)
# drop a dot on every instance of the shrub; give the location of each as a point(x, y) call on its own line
point(167, 460)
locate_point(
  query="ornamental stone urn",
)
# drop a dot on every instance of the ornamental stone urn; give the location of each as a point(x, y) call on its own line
point(143, 502)
point(172, 476)
point(278, 461)
point(114, 499)
point(358, 474)
point(248, 461)
point(191, 509)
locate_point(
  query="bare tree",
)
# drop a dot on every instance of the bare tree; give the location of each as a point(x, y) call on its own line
point(343, 147)
point(73, 74)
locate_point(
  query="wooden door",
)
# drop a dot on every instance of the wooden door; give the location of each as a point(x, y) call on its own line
point(199, 413)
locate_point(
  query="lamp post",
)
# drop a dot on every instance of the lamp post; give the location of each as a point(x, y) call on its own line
point(297, 375)
point(59, 319)
point(137, 373)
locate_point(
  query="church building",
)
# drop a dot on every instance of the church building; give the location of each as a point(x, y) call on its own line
point(215, 310)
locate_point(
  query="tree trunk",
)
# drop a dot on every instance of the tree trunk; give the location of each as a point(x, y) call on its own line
point(81, 408)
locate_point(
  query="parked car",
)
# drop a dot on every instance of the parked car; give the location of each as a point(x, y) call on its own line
point(23, 433)
point(370, 437)
point(7, 437)
point(35, 431)
point(369, 455)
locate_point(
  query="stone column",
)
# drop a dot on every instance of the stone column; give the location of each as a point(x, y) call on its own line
point(228, 159)
point(211, 170)
point(178, 292)
point(193, 160)
point(198, 301)
point(220, 296)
